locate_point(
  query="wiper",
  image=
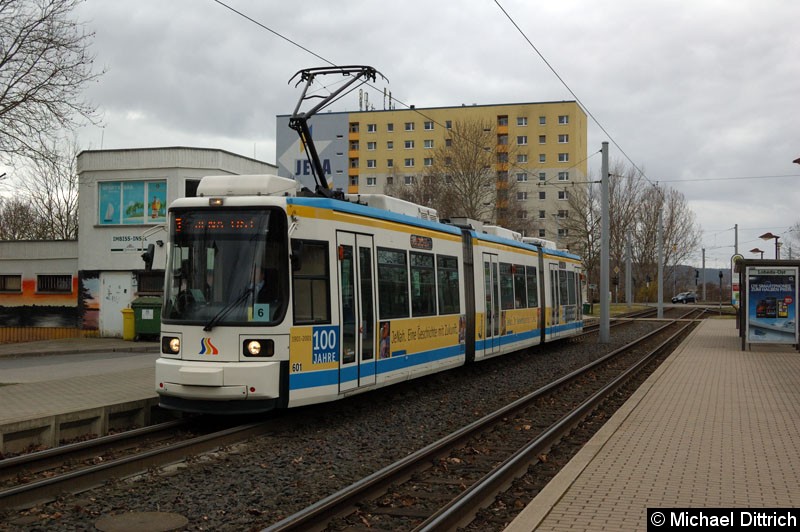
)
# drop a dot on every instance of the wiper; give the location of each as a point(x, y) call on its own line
point(227, 308)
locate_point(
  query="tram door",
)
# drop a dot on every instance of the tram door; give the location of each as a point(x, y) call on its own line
point(556, 298)
point(492, 316)
point(356, 310)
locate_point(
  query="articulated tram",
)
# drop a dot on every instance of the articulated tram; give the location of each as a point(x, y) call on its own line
point(276, 299)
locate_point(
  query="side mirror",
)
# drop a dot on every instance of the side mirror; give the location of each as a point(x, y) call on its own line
point(148, 255)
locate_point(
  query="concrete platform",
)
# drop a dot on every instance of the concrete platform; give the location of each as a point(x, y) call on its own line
point(71, 396)
point(713, 427)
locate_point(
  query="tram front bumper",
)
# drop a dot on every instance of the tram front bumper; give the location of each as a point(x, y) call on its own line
point(218, 381)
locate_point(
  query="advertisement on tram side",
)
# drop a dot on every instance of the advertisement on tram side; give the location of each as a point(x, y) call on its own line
point(771, 305)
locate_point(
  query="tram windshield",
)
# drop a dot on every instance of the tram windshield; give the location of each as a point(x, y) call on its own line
point(227, 267)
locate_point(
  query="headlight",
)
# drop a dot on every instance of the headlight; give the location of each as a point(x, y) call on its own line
point(258, 348)
point(170, 345)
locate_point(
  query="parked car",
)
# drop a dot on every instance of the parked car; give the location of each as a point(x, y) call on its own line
point(685, 297)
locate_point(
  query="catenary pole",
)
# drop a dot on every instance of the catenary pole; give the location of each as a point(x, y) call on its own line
point(605, 311)
point(628, 272)
point(661, 259)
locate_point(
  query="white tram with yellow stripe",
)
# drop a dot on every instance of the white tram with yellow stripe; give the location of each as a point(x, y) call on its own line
point(274, 299)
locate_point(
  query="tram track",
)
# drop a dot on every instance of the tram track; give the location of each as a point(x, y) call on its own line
point(41, 476)
point(444, 485)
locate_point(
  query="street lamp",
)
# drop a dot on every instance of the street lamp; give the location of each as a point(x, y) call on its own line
point(770, 236)
point(756, 250)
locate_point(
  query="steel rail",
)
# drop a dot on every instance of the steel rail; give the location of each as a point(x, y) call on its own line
point(317, 515)
point(87, 478)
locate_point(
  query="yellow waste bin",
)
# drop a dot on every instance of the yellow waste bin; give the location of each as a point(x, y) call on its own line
point(128, 324)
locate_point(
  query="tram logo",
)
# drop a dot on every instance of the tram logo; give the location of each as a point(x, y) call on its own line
point(207, 348)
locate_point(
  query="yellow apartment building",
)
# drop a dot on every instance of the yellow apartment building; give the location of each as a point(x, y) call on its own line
point(364, 152)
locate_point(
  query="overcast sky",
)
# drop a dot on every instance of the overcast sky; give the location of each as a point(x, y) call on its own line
point(701, 95)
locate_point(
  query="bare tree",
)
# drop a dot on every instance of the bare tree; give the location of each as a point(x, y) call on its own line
point(44, 66)
point(51, 187)
point(18, 220)
point(468, 177)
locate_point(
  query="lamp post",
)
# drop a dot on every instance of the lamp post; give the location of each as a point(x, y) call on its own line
point(720, 292)
point(756, 250)
point(770, 236)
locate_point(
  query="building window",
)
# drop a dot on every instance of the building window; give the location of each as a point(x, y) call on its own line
point(563, 232)
point(522, 140)
point(354, 181)
point(409, 144)
point(132, 202)
point(448, 124)
point(428, 161)
point(428, 125)
point(542, 158)
point(563, 119)
point(563, 139)
point(372, 181)
point(354, 145)
point(542, 120)
point(562, 195)
point(409, 162)
point(563, 213)
point(409, 180)
point(372, 128)
point(389, 145)
point(522, 120)
point(522, 158)
point(542, 215)
point(353, 127)
point(448, 142)
point(502, 120)
point(11, 283)
point(502, 157)
point(372, 146)
point(542, 233)
point(372, 163)
point(542, 139)
point(522, 196)
point(61, 284)
point(542, 195)
point(354, 162)
point(522, 176)
point(563, 176)
point(390, 180)
point(542, 176)
point(390, 127)
point(390, 163)
point(563, 157)
point(502, 140)
point(409, 126)
point(150, 282)
point(523, 215)
point(429, 144)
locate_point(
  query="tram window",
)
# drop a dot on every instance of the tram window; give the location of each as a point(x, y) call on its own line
point(447, 277)
point(563, 288)
point(520, 299)
point(573, 299)
point(311, 283)
point(506, 287)
point(392, 283)
point(423, 285)
point(533, 287)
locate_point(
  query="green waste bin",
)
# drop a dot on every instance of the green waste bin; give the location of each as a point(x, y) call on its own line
point(587, 308)
point(147, 316)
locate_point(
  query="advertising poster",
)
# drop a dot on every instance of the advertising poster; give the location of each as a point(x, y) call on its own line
point(771, 305)
point(156, 207)
point(133, 202)
point(109, 208)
